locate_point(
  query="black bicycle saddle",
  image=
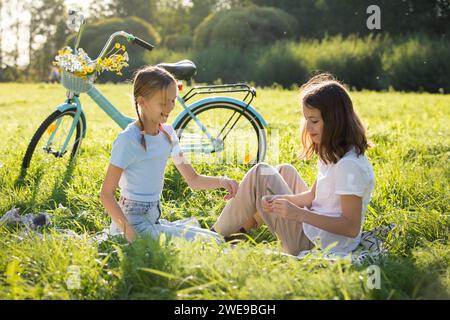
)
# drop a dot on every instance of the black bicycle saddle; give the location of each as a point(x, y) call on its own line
point(182, 70)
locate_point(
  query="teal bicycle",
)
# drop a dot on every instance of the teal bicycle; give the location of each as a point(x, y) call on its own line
point(216, 124)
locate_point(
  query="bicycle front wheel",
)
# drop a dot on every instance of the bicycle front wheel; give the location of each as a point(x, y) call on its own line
point(45, 155)
point(242, 135)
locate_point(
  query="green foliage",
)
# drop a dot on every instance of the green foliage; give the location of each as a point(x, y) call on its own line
point(95, 36)
point(8, 74)
point(200, 10)
point(48, 20)
point(333, 17)
point(356, 61)
point(244, 28)
point(38, 269)
point(142, 266)
point(178, 42)
point(229, 65)
point(146, 10)
point(413, 63)
point(165, 55)
point(282, 65)
point(419, 63)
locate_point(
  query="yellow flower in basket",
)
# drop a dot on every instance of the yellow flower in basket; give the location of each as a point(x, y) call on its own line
point(80, 65)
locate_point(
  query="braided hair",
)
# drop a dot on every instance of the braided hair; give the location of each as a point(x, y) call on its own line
point(147, 81)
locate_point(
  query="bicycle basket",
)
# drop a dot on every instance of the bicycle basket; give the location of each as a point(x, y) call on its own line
point(74, 83)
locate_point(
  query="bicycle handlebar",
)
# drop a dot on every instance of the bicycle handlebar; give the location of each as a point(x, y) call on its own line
point(129, 37)
point(143, 43)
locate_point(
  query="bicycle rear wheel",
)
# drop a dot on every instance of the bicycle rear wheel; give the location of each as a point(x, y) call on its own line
point(43, 157)
point(243, 135)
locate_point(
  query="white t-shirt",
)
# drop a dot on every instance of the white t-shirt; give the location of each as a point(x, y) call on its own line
point(143, 175)
point(351, 175)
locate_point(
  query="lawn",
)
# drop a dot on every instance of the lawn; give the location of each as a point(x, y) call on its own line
point(410, 157)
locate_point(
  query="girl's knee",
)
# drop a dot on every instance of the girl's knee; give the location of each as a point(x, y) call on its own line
point(287, 170)
point(286, 167)
point(262, 169)
point(258, 166)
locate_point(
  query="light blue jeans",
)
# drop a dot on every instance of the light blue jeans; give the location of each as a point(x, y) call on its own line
point(145, 218)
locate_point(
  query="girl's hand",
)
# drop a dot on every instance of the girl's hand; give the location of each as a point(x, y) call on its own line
point(130, 235)
point(231, 185)
point(286, 209)
point(267, 201)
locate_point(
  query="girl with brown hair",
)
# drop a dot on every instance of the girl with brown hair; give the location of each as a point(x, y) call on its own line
point(138, 159)
point(331, 212)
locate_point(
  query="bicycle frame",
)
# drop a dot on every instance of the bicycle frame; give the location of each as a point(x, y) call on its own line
point(76, 118)
point(214, 145)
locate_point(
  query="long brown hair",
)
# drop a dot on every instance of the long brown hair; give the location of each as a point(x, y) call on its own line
point(342, 127)
point(148, 81)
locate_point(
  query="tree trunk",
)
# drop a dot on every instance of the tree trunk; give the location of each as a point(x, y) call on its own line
point(31, 35)
point(18, 25)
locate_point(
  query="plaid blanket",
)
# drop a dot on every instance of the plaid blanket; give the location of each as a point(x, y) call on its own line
point(370, 249)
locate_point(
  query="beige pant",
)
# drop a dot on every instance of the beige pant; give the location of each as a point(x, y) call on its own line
point(283, 179)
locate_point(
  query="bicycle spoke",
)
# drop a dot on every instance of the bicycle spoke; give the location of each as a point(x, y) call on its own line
point(240, 115)
point(232, 116)
point(241, 145)
point(50, 169)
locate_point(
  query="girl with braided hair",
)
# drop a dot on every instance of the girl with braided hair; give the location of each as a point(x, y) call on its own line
point(138, 159)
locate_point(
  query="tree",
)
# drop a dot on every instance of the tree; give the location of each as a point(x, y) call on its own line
point(9, 28)
point(47, 23)
point(330, 17)
point(144, 9)
point(427, 16)
point(230, 4)
point(245, 28)
point(17, 5)
point(307, 13)
point(99, 10)
point(34, 30)
point(178, 19)
point(200, 10)
point(172, 18)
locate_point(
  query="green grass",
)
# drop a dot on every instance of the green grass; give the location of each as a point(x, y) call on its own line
point(410, 158)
